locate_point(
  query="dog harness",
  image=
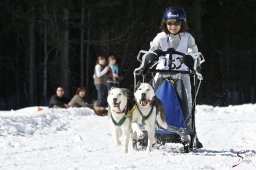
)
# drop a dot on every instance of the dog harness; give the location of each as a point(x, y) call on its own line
point(127, 114)
point(147, 116)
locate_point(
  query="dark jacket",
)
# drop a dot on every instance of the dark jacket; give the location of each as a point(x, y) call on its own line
point(58, 102)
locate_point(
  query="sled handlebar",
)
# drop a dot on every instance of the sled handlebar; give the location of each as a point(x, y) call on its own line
point(159, 53)
point(171, 51)
point(168, 51)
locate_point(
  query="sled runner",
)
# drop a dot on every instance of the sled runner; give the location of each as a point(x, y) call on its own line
point(172, 94)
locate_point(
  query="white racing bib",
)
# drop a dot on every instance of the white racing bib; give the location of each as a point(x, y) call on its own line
point(175, 60)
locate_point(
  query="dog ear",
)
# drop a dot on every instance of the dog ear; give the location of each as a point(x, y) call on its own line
point(137, 85)
point(151, 86)
point(130, 97)
point(127, 92)
point(152, 83)
point(111, 89)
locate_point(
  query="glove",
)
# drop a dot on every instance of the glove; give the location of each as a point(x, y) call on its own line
point(170, 50)
point(159, 52)
point(188, 61)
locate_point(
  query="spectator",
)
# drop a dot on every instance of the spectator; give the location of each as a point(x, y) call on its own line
point(58, 100)
point(79, 100)
point(113, 78)
point(100, 81)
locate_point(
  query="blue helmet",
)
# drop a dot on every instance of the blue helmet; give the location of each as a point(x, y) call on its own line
point(174, 13)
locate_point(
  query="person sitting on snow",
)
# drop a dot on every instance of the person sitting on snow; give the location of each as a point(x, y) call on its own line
point(79, 100)
point(58, 100)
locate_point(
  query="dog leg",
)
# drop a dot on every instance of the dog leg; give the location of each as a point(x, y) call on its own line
point(134, 140)
point(136, 128)
point(151, 140)
point(127, 137)
point(117, 132)
point(151, 136)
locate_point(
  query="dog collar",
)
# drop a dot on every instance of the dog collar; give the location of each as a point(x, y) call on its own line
point(127, 114)
point(145, 117)
point(120, 112)
point(120, 122)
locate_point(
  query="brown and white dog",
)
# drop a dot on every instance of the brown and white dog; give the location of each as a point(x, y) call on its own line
point(120, 102)
point(149, 111)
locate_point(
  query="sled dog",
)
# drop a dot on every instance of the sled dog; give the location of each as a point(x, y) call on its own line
point(149, 110)
point(119, 101)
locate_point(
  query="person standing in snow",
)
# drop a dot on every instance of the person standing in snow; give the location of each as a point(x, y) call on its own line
point(79, 100)
point(175, 36)
point(113, 79)
point(100, 80)
point(58, 100)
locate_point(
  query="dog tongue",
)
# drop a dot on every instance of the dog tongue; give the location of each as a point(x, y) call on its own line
point(143, 102)
point(117, 105)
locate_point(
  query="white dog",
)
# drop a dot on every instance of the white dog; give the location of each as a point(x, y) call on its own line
point(149, 111)
point(119, 103)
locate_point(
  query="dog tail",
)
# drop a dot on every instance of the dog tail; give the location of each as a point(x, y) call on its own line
point(161, 122)
point(160, 116)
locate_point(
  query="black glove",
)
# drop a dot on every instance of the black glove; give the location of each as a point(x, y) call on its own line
point(150, 60)
point(159, 52)
point(170, 50)
point(188, 61)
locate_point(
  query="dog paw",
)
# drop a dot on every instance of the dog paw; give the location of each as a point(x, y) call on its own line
point(154, 140)
point(140, 135)
point(126, 150)
point(118, 143)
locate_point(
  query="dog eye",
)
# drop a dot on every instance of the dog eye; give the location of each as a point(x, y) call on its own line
point(148, 89)
point(139, 88)
point(119, 94)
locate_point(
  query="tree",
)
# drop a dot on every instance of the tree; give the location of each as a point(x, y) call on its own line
point(65, 54)
point(31, 56)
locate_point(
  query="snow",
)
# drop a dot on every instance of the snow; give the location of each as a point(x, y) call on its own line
point(76, 138)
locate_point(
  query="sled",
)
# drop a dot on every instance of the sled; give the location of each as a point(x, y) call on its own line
point(172, 94)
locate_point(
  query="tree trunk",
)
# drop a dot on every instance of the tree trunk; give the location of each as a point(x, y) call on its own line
point(45, 57)
point(88, 51)
point(65, 55)
point(197, 19)
point(17, 81)
point(82, 46)
point(31, 57)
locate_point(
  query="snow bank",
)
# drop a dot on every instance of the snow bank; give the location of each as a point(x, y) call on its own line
point(28, 121)
point(74, 139)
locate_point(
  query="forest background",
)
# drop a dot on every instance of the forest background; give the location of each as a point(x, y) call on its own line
point(50, 43)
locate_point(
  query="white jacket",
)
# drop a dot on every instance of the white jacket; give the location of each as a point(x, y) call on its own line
point(182, 42)
point(173, 41)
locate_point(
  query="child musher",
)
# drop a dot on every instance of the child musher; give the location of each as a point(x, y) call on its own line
point(174, 35)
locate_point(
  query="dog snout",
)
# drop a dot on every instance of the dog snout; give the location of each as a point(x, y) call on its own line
point(143, 95)
point(114, 100)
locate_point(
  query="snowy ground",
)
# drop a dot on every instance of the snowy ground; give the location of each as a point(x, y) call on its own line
point(77, 139)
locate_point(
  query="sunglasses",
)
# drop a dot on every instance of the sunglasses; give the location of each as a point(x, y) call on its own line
point(175, 23)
